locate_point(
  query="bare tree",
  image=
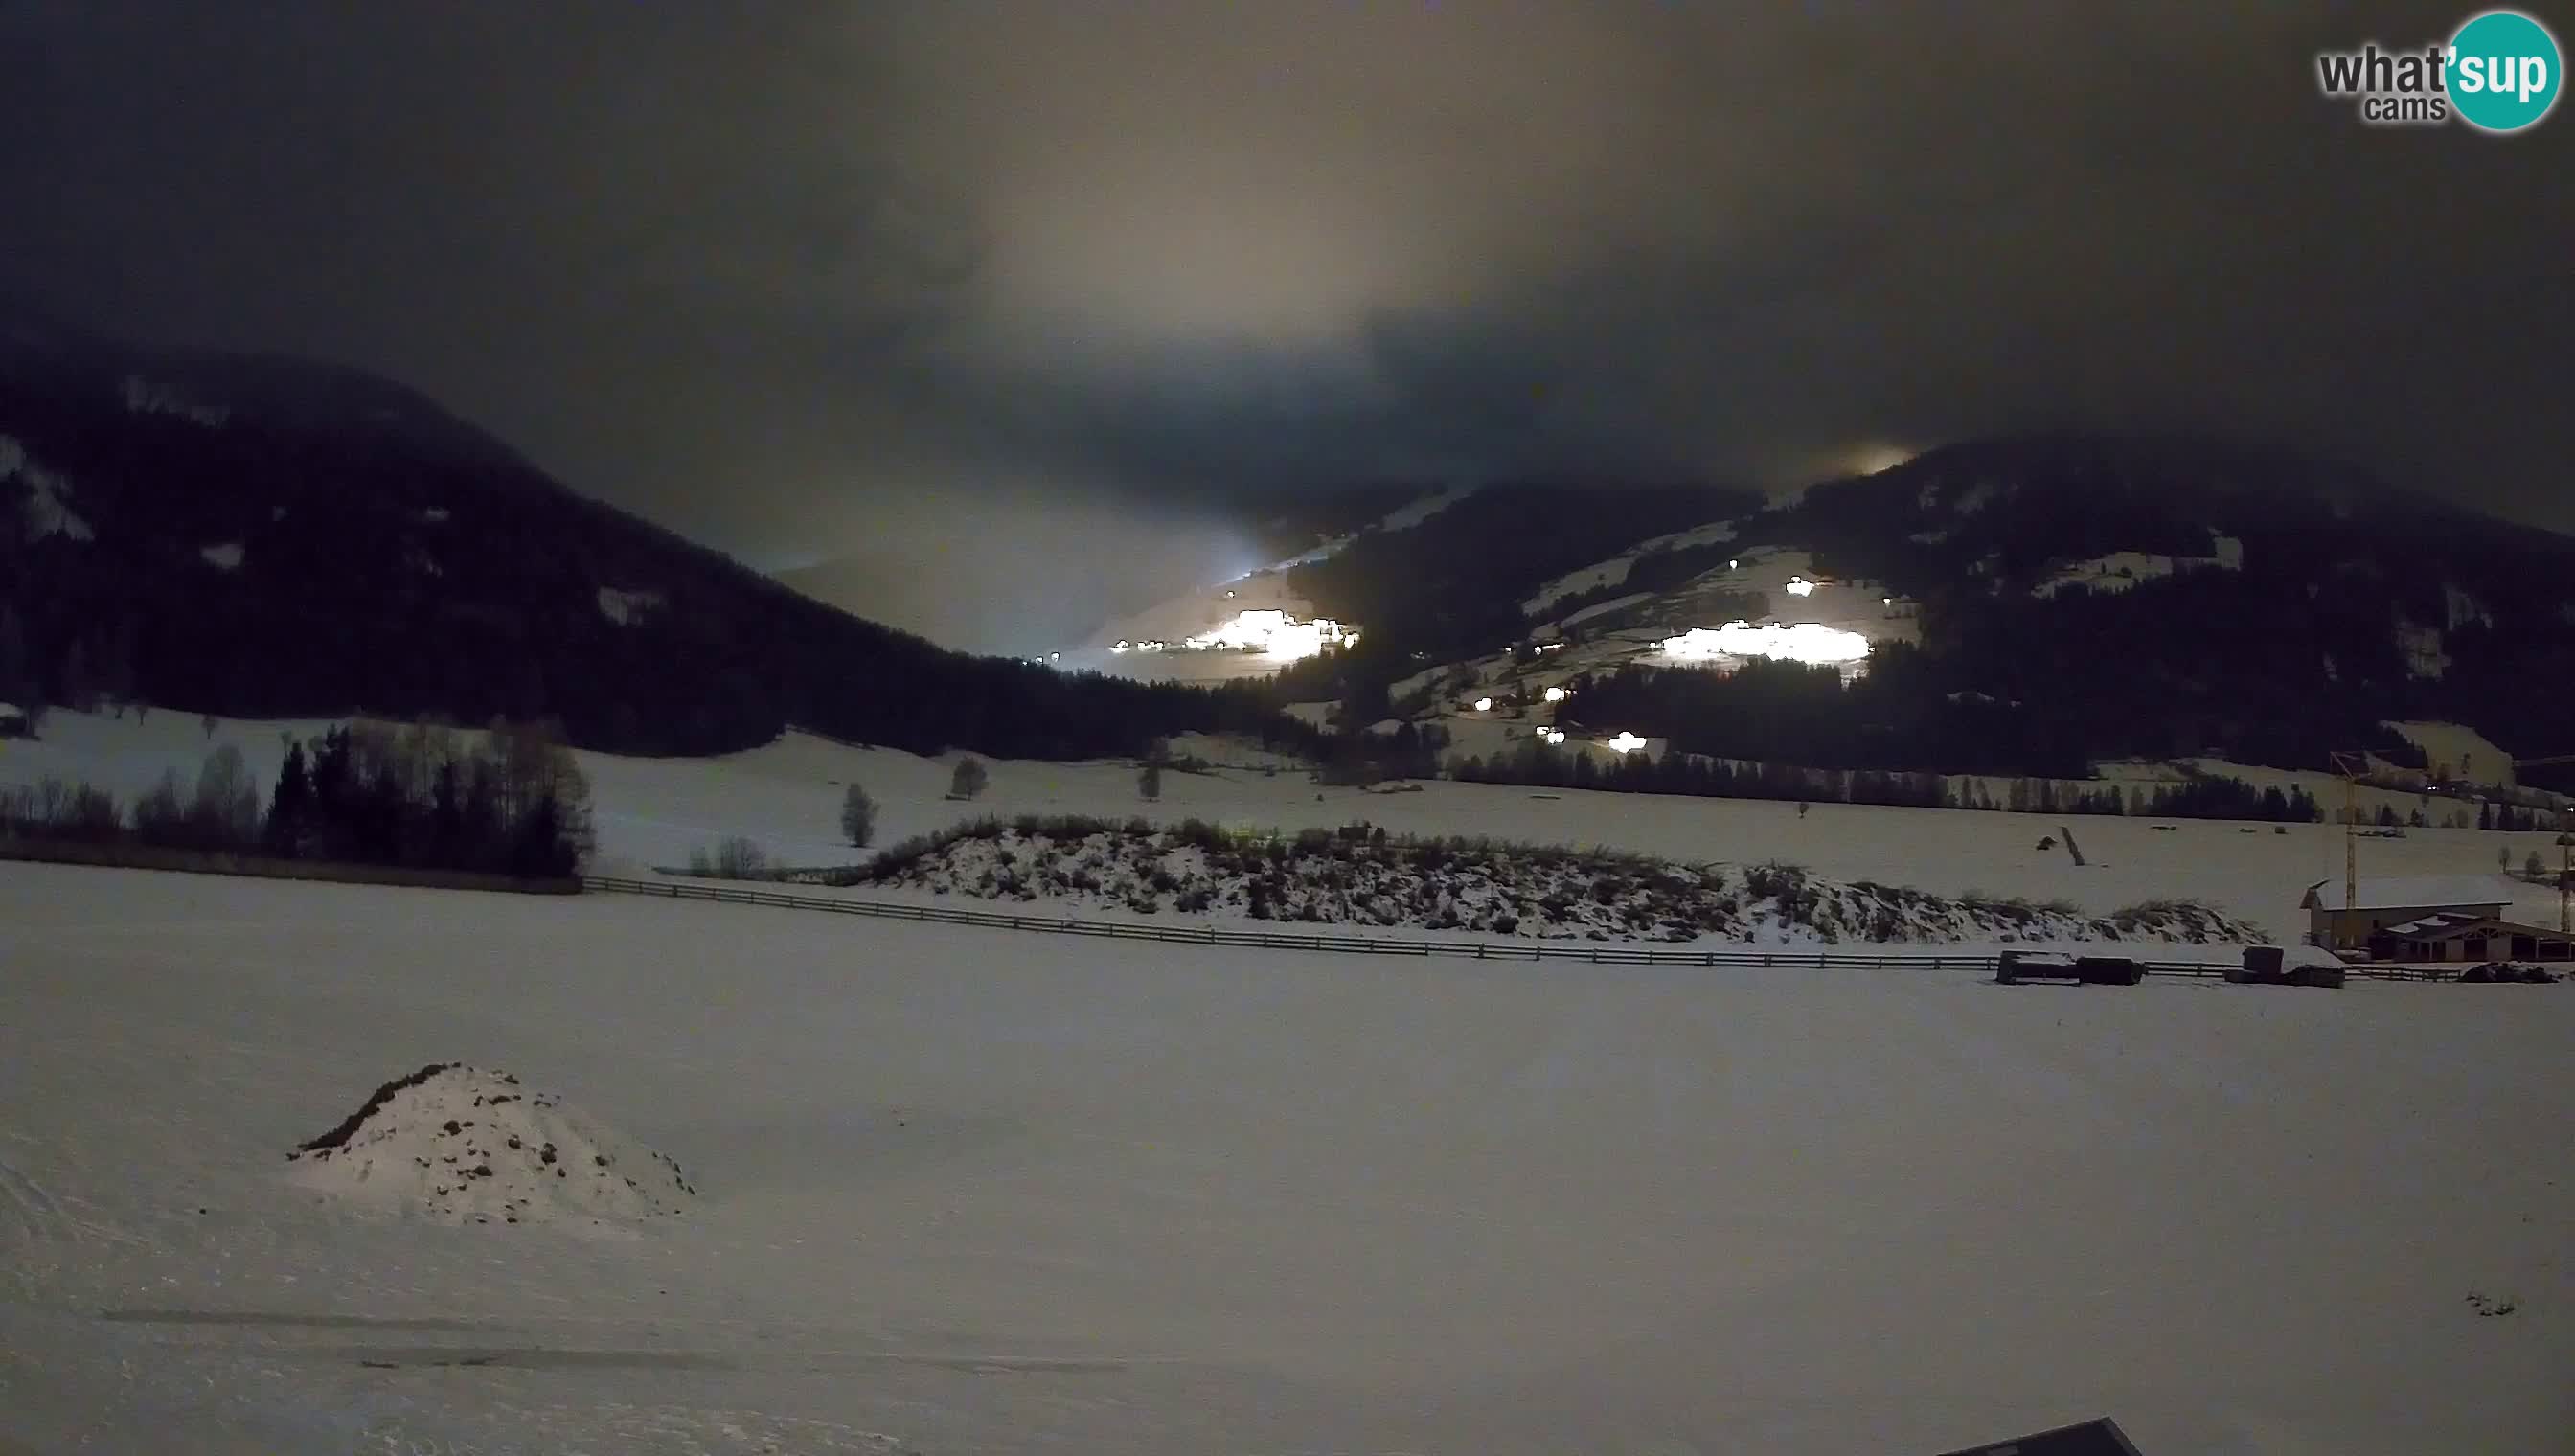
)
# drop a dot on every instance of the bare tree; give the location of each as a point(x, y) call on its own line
point(970, 779)
point(1149, 780)
point(226, 811)
point(857, 816)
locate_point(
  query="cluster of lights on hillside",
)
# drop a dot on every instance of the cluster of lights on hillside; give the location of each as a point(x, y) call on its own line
point(1806, 641)
point(1267, 631)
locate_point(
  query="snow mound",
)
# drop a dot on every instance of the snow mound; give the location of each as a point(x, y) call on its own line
point(463, 1145)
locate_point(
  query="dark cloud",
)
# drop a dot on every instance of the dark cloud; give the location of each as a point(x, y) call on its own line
point(944, 289)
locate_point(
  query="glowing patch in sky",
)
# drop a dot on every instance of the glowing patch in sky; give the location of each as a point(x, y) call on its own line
point(1800, 586)
point(1868, 459)
point(1273, 634)
point(1808, 642)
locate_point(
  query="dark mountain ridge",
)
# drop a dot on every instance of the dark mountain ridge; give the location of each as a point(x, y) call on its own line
point(254, 536)
point(2080, 596)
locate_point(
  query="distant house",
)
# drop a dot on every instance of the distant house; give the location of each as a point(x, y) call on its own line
point(13, 720)
point(2427, 917)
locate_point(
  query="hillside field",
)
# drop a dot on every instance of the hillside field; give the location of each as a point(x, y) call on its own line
point(786, 795)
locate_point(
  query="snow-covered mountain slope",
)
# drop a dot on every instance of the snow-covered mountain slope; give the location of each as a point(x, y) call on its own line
point(2074, 596)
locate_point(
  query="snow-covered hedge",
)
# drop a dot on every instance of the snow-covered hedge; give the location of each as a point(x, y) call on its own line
point(1360, 875)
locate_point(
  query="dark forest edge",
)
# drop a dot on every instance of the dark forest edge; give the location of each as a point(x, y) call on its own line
point(510, 801)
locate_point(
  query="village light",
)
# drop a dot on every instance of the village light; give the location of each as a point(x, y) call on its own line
point(1625, 742)
point(1483, 705)
point(1800, 586)
point(1554, 735)
point(1556, 694)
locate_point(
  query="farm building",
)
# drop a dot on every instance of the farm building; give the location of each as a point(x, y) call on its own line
point(2466, 937)
point(13, 720)
point(2428, 918)
point(2382, 902)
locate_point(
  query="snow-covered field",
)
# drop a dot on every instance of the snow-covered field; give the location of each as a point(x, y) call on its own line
point(970, 1191)
point(786, 795)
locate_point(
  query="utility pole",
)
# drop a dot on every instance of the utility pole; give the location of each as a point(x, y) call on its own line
point(2350, 765)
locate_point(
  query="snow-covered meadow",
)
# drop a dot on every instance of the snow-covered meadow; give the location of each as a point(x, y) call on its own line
point(972, 1191)
point(787, 796)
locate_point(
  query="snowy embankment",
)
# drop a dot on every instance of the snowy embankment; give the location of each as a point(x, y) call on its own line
point(463, 1145)
point(1360, 876)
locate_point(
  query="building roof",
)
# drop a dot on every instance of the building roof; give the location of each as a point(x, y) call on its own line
point(2452, 928)
point(2413, 891)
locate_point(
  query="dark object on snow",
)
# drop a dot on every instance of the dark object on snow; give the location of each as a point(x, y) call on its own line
point(2110, 971)
point(2017, 968)
point(2092, 1438)
point(2046, 842)
point(348, 1129)
point(2067, 833)
point(2264, 966)
point(2508, 972)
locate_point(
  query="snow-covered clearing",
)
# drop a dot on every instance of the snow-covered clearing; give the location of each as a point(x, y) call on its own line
point(625, 608)
point(964, 1191)
point(2121, 570)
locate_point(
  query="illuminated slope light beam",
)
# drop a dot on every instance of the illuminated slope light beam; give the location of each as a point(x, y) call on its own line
point(1800, 586)
point(1808, 642)
point(1625, 742)
point(1274, 634)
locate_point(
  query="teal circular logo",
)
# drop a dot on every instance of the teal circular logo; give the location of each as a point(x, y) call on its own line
point(2503, 71)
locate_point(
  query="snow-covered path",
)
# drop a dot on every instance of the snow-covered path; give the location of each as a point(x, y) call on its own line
point(970, 1192)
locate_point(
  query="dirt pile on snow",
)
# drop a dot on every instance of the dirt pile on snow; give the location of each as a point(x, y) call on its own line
point(463, 1146)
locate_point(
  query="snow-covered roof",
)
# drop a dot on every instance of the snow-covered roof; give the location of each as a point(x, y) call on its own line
point(2405, 892)
point(11, 709)
point(2448, 928)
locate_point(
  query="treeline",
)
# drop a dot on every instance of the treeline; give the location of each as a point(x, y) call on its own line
point(1539, 763)
point(509, 800)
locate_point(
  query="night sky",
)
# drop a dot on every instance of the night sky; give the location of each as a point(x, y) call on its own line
point(1002, 307)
